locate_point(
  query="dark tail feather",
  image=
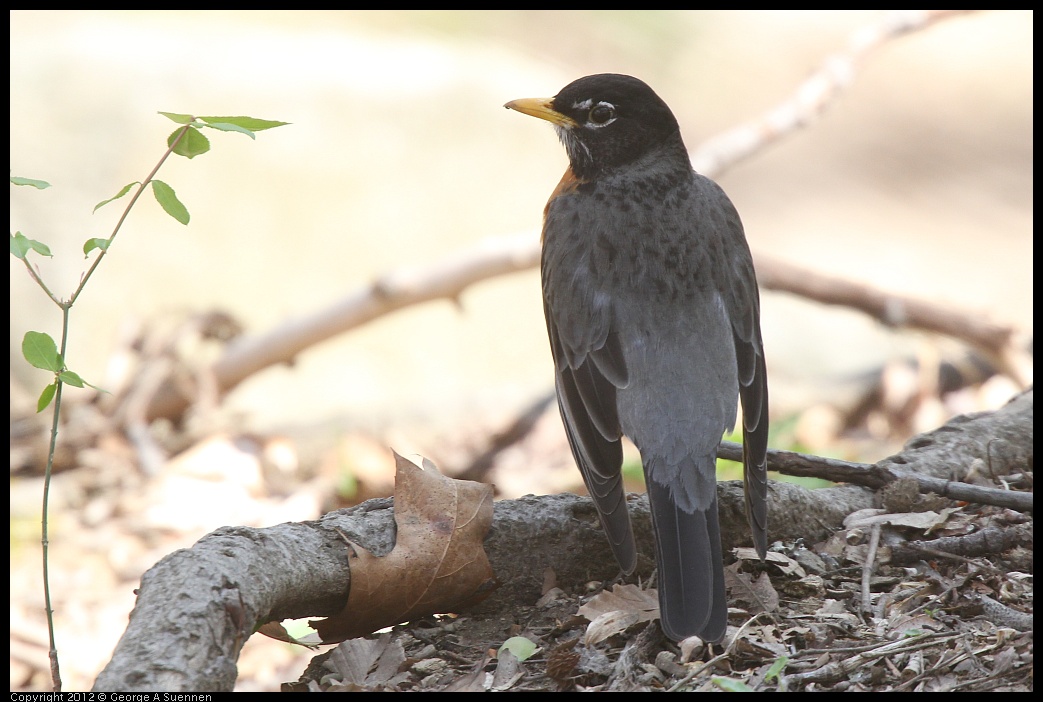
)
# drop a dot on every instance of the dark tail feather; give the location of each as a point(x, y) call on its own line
point(755, 454)
point(691, 569)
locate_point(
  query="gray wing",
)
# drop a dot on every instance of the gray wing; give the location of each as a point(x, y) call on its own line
point(588, 372)
point(742, 302)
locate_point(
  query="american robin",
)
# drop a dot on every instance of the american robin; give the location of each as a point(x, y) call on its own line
point(654, 321)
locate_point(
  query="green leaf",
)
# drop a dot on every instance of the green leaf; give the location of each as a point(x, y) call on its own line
point(46, 396)
point(192, 144)
point(40, 247)
point(21, 245)
point(169, 202)
point(730, 685)
point(776, 668)
point(249, 123)
point(229, 127)
point(178, 117)
point(520, 646)
point(41, 352)
point(117, 196)
point(70, 378)
point(38, 184)
point(92, 244)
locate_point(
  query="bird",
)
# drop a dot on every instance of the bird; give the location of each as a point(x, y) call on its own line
point(653, 315)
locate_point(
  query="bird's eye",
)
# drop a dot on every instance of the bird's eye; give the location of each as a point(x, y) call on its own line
point(602, 113)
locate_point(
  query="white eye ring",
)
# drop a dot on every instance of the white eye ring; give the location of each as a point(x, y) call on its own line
point(601, 115)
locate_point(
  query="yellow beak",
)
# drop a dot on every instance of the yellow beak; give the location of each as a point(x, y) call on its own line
point(541, 108)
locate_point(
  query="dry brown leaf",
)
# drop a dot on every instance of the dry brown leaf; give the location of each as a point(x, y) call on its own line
point(926, 520)
point(784, 563)
point(758, 595)
point(644, 603)
point(438, 563)
point(366, 664)
point(607, 625)
point(612, 612)
point(275, 630)
point(475, 680)
point(509, 671)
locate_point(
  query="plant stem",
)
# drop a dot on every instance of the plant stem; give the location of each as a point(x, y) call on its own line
point(56, 678)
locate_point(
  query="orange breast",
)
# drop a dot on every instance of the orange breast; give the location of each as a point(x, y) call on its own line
point(568, 183)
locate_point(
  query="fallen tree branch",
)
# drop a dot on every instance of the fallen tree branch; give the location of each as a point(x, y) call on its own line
point(197, 606)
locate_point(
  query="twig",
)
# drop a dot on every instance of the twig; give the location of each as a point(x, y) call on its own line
point(992, 540)
point(816, 94)
point(867, 569)
point(997, 341)
point(877, 475)
point(838, 670)
point(517, 431)
point(1003, 616)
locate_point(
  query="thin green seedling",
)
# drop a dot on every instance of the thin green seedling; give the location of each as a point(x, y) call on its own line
point(40, 349)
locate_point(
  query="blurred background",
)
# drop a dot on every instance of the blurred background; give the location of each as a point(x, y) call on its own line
point(918, 180)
